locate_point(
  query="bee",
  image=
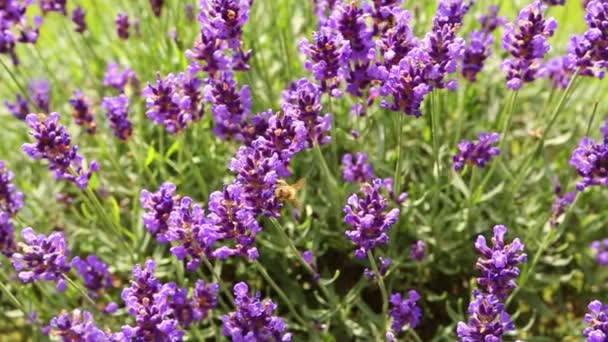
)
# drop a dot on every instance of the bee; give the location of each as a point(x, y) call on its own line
point(289, 192)
point(536, 133)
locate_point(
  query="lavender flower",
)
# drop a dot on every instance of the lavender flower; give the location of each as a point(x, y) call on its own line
point(79, 326)
point(491, 21)
point(385, 264)
point(407, 83)
point(231, 107)
point(20, 109)
point(561, 70)
point(477, 153)
point(210, 50)
point(122, 26)
point(309, 258)
point(383, 14)
point(349, 20)
point(190, 310)
point(527, 43)
point(303, 102)
point(42, 257)
point(189, 12)
point(158, 207)
point(475, 54)
point(499, 264)
point(560, 206)
point(157, 6)
point(82, 112)
point(53, 143)
point(404, 312)
point(235, 222)
point(174, 102)
point(327, 59)
point(205, 297)
point(600, 247)
point(488, 320)
point(226, 17)
point(361, 171)
point(368, 219)
point(117, 78)
point(94, 272)
point(284, 135)
point(588, 51)
point(53, 6)
point(8, 246)
point(398, 40)
point(253, 319)
point(258, 173)
point(41, 94)
point(148, 301)
point(11, 199)
point(590, 160)
point(397, 198)
point(418, 250)
point(117, 112)
point(78, 17)
point(188, 227)
point(597, 318)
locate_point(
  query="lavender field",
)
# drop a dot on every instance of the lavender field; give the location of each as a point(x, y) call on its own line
point(303, 170)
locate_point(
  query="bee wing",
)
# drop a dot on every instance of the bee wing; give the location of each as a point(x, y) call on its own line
point(300, 184)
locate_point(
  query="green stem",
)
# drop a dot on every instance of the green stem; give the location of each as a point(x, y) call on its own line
point(397, 177)
point(218, 279)
point(11, 296)
point(197, 175)
point(434, 133)
point(281, 294)
point(21, 89)
point(81, 290)
point(382, 286)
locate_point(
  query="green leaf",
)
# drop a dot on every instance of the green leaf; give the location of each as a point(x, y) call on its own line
point(325, 282)
point(151, 155)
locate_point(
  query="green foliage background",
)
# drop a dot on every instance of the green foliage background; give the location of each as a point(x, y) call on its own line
point(446, 209)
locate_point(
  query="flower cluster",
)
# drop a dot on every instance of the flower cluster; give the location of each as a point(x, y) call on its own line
point(53, 143)
point(42, 257)
point(158, 207)
point(499, 265)
point(16, 28)
point(8, 245)
point(94, 272)
point(78, 17)
point(157, 6)
point(418, 250)
point(385, 264)
point(117, 78)
point(40, 92)
point(302, 101)
point(122, 25)
point(397, 40)
point(476, 153)
point(361, 171)
point(404, 312)
point(20, 109)
point(526, 41)
point(597, 318)
point(488, 320)
point(77, 326)
point(590, 160)
point(174, 101)
point(83, 112)
point(253, 319)
point(601, 251)
point(560, 205)
point(368, 219)
point(11, 199)
point(117, 112)
point(53, 6)
point(230, 106)
point(309, 258)
point(480, 43)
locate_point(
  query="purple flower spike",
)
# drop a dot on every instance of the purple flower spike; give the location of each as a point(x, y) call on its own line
point(499, 265)
point(253, 319)
point(53, 143)
point(194, 235)
point(590, 160)
point(205, 297)
point(382, 13)
point(303, 102)
point(83, 112)
point(230, 106)
point(404, 311)
point(600, 247)
point(309, 257)
point(555, 2)
point(588, 52)
point(477, 153)
point(149, 302)
point(211, 51)
point(157, 6)
point(11, 199)
point(597, 318)
point(158, 207)
point(117, 112)
point(53, 6)
point(20, 109)
point(418, 250)
point(8, 245)
point(122, 26)
point(94, 272)
point(349, 20)
point(235, 222)
point(368, 219)
point(407, 83)
point(397, 41)
point(226, 17)
point(117, 78)
point(560, 205)
point(561, 70)
point(385, 264)
point(526, 40)
point(361, 171)
point(284, 135)
point(78, 326)
point(174, 102)
point(491, 21)
point(42, 257)
point(78, 17)
point(475, 54)
point(40, 91)
point(488, 320)
point(327, 59)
